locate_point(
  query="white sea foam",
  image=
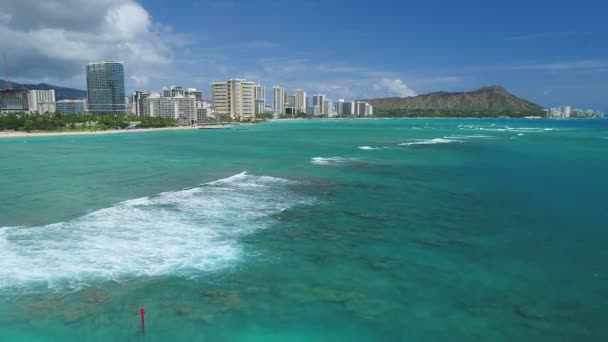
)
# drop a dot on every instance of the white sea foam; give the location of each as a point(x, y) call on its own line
point(332, 161)
point(430, 142)
point(182, 233)
point(465, 137)
point(370, 148)
point(493, 128)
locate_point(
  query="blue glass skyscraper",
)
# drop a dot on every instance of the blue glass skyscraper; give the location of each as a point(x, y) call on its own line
point(106, 87)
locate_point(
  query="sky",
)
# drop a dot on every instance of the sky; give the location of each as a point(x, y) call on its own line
point(550, 52)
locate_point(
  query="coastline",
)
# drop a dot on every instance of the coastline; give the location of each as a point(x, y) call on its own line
point(19, 134)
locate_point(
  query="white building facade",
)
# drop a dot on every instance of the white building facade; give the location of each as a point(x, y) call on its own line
point(180, 108)
point(41, 101)
point(278, 100)
point(260, 99)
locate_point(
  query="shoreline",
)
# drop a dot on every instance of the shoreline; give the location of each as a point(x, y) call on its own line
point(20, 134)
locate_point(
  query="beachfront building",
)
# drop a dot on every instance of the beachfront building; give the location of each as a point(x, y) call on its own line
point(327, 107)
point(363, 109)
point(313, 110)
point(345, 107)
point(319, 100)
point(300, 102)
point(106, 87)
point(71, 107)
point(278, 100)
point(138, 101)
point(41, 101)
point(24, 100)
point(260, 99)
point(181, 108)
point(234, 98)
point(204, 111)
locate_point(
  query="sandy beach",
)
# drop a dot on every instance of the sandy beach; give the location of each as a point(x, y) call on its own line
point(16, 134)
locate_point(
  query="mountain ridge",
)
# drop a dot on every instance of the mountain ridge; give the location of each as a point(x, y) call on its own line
point(493, 100)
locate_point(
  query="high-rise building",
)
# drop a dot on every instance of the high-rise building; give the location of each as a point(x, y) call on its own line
point(327, 107)
point(138, 101)
point(24, 100)
point(14, 100)
point(345, 107)
point(290, 100)
point(260, 99)
point(234, 98)
point(41, 101)
point(181, 108)
point(319, 100)
point(278, 100)
point(300, 101)
point(313, 110)
point(106, 87)
point(363, 109)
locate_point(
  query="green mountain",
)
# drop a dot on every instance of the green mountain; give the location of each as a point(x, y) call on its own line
point(484, 102)
point(61, 93)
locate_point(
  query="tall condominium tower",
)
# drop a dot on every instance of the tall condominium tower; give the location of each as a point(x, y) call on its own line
point(300, 101)
point(260, 98)
point(234, 98)
point(106, 87)
point(319, 100)
point(278, 99)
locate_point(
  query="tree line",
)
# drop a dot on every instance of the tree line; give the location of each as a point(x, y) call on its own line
point(57, 122)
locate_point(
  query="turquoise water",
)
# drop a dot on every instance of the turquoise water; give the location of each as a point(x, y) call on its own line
point(349, 230)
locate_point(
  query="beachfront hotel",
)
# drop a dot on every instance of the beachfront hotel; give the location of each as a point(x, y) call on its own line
point(300, 101)
point(278, 99)
point(260, 99)
point(106, 87)
point(234, 98)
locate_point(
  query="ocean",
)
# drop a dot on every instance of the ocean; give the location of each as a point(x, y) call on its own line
point(309, 230)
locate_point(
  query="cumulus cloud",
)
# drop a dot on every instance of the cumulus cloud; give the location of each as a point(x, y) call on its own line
point(53, 40)
point(394, 87)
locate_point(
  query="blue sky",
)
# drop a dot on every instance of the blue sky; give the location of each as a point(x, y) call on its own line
point(550, 52)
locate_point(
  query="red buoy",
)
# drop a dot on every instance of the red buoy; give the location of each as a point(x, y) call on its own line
point(142, 313)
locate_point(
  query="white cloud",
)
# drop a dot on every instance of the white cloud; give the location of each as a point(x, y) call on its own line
point(53, 40)
point(394, 87)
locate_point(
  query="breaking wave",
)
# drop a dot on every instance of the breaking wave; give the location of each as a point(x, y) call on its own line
point(332, 161)
point(179, 233)
point(466, 137)
point(370, 148)
point(494, 128)
point(430, 142)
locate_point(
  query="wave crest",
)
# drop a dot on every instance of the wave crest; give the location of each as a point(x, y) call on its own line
point(332, 161)
point(183, 232)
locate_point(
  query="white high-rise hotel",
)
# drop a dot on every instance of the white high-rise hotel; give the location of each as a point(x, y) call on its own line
point(260, 99)
point(278, 99)
point(235, 98)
